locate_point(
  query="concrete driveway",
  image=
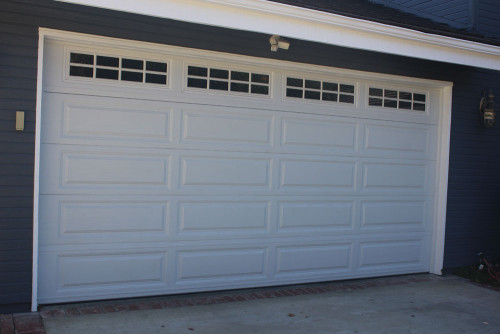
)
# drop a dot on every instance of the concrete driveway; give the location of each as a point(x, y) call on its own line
point(404, 304)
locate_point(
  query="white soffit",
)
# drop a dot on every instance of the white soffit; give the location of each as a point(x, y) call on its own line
point(301, 23)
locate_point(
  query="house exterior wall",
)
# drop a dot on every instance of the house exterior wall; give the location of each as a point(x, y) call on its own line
point(481, 16)
point(457, 13)
point(473, 214)
point(488, 18)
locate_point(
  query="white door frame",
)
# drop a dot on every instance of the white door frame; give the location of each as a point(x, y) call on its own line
point(443, 141)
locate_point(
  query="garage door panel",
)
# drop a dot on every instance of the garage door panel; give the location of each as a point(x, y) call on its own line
point(375, 256)
point(314, 215)
point(392, 140)
point(86, 275)
point(90, 219)
point(318, 134)
point(220, 172)
point(385, 177)
point(223, 217)
point(394, 214)
point(219, 126)
point(72, 118)
point(212, 265)
point(316, 175)
point(300, 260)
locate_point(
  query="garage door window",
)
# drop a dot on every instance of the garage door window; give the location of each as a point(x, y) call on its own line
point(117, 68)
point(217, 79)
point(389, 98)
point(319, 90)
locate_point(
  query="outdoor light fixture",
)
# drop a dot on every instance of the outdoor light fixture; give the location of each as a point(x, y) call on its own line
point(278, 43)
point(487, 109)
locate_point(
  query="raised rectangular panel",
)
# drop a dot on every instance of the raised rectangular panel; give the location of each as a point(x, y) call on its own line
point(323, 134)
point(223, 216)
point(315, 214)
point(390, 253)
point(226, 128)
point(380, 175)
point(82, 169)
point(112, 217)
point(317, 174)
point(221, 264)
point(213, 172)
point(100, 270)
point(392, 214)
point(312, 259)
point(398, 139)
point(118, 121)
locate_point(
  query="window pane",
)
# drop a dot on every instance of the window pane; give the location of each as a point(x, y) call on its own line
point(78, 71)
point(132, 64)
point(405, 105)
point(102, 73)
point(346, 98)
point(312, 95)
point(391, 94)
point(156, 67)
point(294, 82)
point(375, 102)
point(80, 58)
point(132, 76)
point(108, 61)
point(156, 78)
point(419, 97)
point(198, 71)
point(330, 86)
point(330, 97)
point(241, 76)
point(419, 106)
point(376, 92)
point(347, 88)
point(218, 85)
point(220, 74)
point(197, 83)
point(390, 103)
point(313, 84)
point(404, 96)
point(260, 78)
point(257, 89)
point(293, 92)
point(239, 87)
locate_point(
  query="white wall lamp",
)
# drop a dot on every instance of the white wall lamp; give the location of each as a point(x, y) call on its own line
point(278, 42)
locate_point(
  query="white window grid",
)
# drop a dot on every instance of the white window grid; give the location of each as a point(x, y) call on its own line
point(399, 100)
point(144, 71)
point(321, 90)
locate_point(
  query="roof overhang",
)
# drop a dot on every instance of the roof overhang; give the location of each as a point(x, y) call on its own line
point(301, 23)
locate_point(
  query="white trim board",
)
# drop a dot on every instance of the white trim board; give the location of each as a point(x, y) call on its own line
point(443, 135)
point(312, 25)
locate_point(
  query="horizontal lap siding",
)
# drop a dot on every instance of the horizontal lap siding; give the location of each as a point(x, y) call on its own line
point(454, 12)
point(472, 223)
point(489, 18)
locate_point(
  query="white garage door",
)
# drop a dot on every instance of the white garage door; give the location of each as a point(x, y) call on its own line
point(182, 171)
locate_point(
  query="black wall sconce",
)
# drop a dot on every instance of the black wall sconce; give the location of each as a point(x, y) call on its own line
point(487, 109)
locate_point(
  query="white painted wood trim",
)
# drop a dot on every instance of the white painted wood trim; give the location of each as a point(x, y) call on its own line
point(312, 25)
point(36, 185)
point(444, 130)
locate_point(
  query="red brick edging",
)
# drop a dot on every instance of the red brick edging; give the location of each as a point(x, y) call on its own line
point(22, 323)
point(225, 297)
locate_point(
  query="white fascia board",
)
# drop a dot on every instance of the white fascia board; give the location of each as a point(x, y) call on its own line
point(312, 25)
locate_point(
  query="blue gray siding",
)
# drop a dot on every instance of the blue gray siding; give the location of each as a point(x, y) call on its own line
point(488, 18)
point(473, 222)
point(457, 13)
